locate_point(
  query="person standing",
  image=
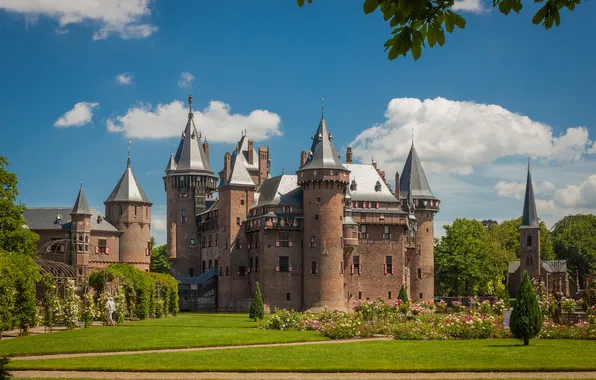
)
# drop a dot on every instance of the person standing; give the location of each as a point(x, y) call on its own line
point(111, 308)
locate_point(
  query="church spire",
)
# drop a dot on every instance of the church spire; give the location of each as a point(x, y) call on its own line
point(128, 161)
point(80, 207)
point(529, 216)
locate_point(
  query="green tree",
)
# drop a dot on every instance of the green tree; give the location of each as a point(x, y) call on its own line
point(257, 310)
point(159, 258)
point(403, 295)
point(526, 317)
point(507, 234)
point(574, 239)
point(420, 23)
point(468, 262)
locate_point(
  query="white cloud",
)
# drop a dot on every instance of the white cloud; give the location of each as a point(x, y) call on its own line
point(158, 225)
point(475, 6)
point(124, 78)
point(186, 79)
point(81, 114)
point(114, 17)
point(517, 189)
point(216, 122)
point(578, 196)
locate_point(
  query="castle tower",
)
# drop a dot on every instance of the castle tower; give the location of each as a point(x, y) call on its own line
point(80, 232)
point(415, 193)
point(236, 197)
point(323, 179)
point(129, 209)
point(529, 233)
point(189, 181)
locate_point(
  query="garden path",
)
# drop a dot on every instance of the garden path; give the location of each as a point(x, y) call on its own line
point(95, 354)
point(302, 376)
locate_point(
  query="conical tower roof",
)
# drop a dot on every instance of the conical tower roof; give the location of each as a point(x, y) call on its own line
point(190, 155)
point(322, 154)
point(128, 188)
point(239, 175)
point(171, 163)
point(529, 216)
point(413, 177)
point(80, 207)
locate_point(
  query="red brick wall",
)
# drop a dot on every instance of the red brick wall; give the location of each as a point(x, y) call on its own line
point(424, 260)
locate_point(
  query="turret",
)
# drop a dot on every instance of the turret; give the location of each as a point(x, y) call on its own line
point(189, 181)
point(418, 199)
point(529, 232)
point(80, 230)
point(323, 179)
point(129, 209)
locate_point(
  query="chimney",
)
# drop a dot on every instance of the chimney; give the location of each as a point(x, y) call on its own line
point(374, 164)
point(302, 158)
point(206, 149)
point(349, 155)
point(263, 157)
point(251, 147)
point(382, 174)
point(397, 185)
point(227, 167)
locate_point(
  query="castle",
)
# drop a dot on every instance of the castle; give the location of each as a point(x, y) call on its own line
point(331, 234)
point(74, 241)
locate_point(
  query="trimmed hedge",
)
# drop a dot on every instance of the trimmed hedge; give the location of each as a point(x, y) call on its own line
point(169, 292)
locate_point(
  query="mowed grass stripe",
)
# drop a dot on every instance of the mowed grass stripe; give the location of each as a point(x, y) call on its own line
point(186, 330)
point(380, 356)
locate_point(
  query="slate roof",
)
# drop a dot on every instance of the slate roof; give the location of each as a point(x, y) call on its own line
point(243, 148)
point(322, 154)
point(551, 266)
point(414, 173)
point(282, 189)
point(171, 163)
point(529, 216)
point(80, 207)
point(128, 188)
point(190, 156)
point(45, 219)
point(238, 173)
point(366, 178)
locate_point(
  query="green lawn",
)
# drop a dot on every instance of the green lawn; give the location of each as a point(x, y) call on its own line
point(379, 356)
point(186, 330)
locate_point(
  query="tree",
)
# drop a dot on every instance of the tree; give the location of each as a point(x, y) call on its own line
point(574, 239)
point(526, 317)
point(257, 310)
point(507, 234)
point(468, 262)
point(403, 295)
point(418, 23)
point(159, 258)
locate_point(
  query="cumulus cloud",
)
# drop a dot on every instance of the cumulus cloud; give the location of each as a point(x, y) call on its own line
point(517, 189)
point(216, 122)
point(578, 196)
point(81, 114)
point(113, 17)
point(456, 136)
point(124, 78)
point(475, 6)
point(186, 79)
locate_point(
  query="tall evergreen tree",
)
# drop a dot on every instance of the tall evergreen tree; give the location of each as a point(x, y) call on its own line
point(257, 310)
point(526, 318)
point(403, 295)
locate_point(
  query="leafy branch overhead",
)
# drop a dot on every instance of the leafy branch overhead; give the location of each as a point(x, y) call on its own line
point(422, 23)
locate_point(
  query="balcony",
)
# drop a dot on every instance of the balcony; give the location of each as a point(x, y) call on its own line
point(350, 242)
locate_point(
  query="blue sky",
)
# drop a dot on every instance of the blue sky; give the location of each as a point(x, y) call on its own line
point(497, 92)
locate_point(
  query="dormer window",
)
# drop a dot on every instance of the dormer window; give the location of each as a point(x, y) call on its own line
point(378, 186)
point(353, 185)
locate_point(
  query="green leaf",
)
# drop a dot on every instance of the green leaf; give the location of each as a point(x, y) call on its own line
point(441, 36)
point(370, 6)
point(459, 21)
point(392, 53)
point(449, 23)
point(539, 16)
point(431, 35)
point(556, 16)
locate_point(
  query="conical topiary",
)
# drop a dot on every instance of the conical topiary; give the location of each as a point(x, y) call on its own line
point(403, 295)
point(257, 310)
point(526, 317)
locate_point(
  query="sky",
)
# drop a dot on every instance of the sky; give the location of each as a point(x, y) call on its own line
point(79, 78)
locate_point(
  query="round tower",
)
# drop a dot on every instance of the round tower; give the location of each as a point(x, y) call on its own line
point(323, 179)
point(80, 232)
point(128, 208)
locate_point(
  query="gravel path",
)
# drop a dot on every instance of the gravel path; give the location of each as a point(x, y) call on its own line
point(301, 376)
point(95, 354)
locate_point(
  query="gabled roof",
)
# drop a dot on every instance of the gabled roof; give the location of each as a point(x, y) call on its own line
point(80, 207)
point(238, 173)
point(413, 175)
point(283, 189)
point(47, 219)
point(243, 148)
point(190, 156)
point(322, 154)
point(366, 178)
point(128, 189)
point(550, 266)
point(529, 216)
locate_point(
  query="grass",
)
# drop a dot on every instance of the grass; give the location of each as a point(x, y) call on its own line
point(379, 356)
point(186, 330)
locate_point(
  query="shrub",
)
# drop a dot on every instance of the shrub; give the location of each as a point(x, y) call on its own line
point(4, 374)
point(581, 330)
point(568, 305)
point(169, 292)
point(341, 326)
point(403, 295)
point(526, 318)
point(88, 312)
point(71, 305)
point(283, 319)
point(257, 310)
point(50, 301)
point(120, 300)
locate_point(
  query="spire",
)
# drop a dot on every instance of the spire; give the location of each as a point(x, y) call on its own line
point(529, 216)
point(128, 189)
point(171, 163)
point(413, 177)
point(322, 154)
point(410, 197)
point(128, 162)
point(190, 114)
point(80, 207)
point(322, 107)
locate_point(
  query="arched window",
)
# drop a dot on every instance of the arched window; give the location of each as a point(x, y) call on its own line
point(529, 240)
